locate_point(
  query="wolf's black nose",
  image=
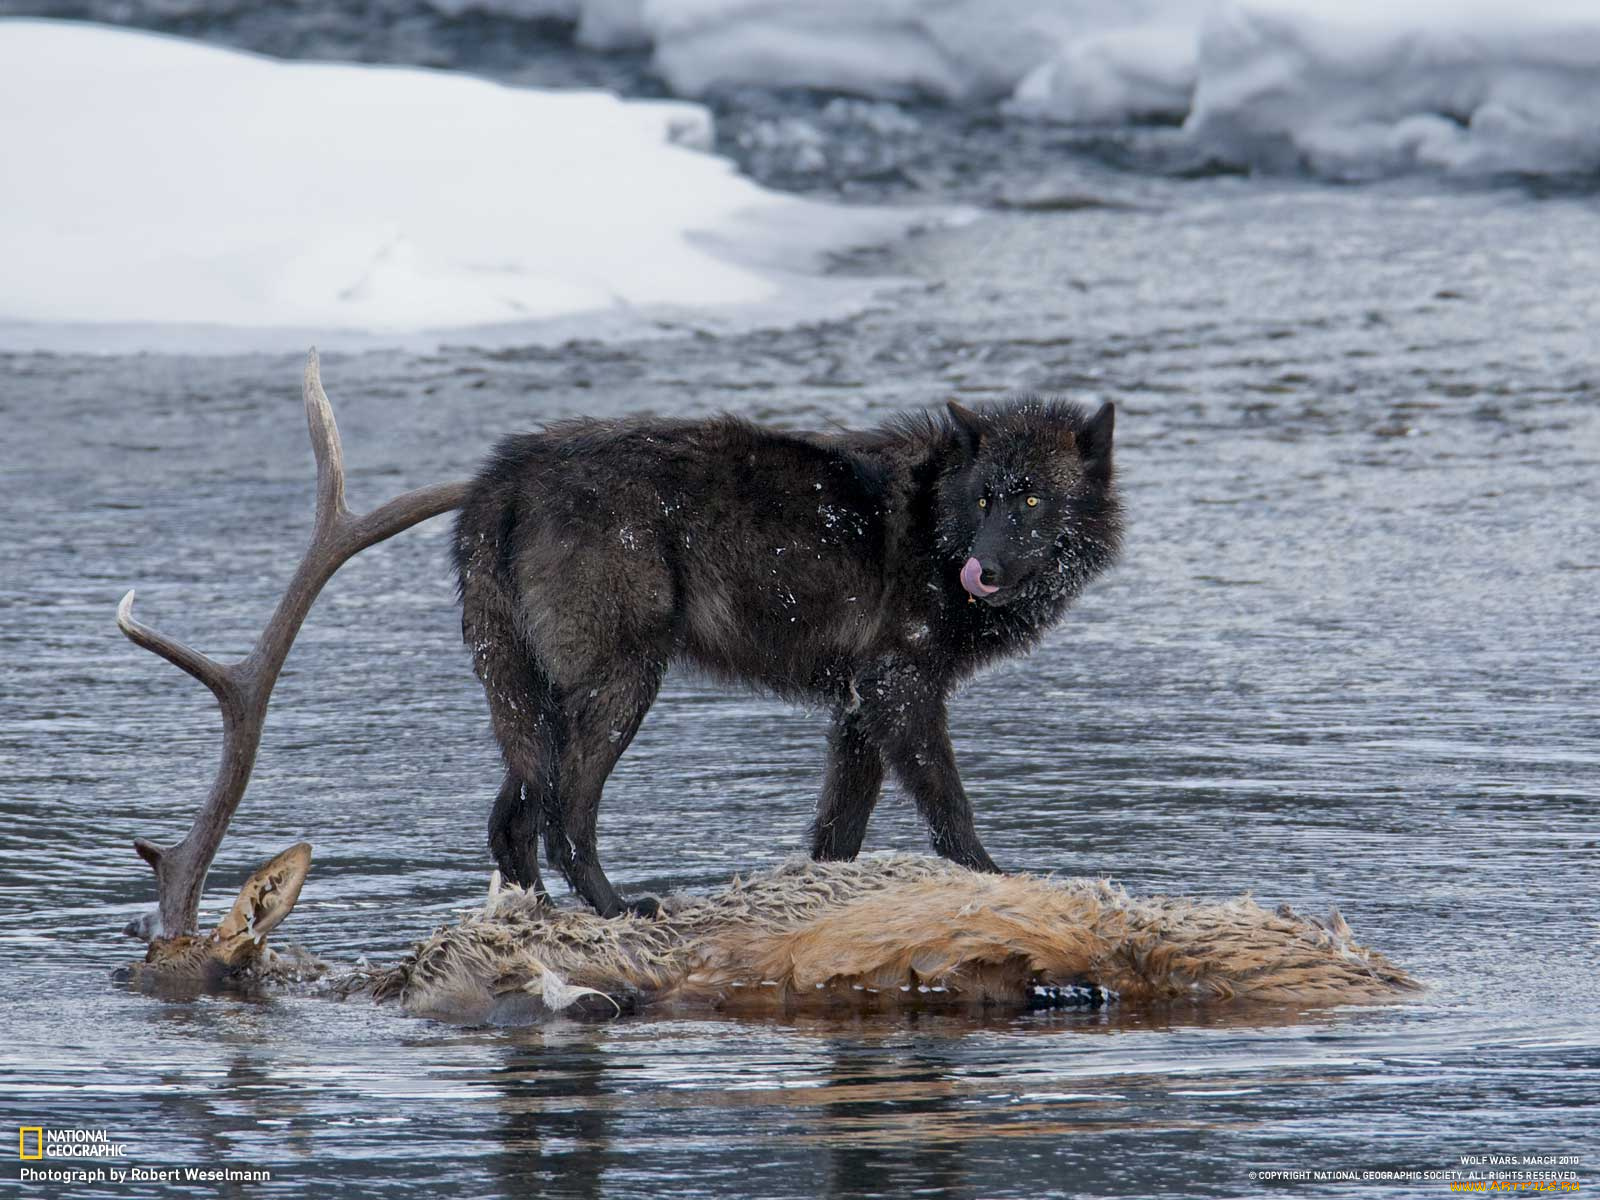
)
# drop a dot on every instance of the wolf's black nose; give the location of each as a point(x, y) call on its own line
point(989, 577)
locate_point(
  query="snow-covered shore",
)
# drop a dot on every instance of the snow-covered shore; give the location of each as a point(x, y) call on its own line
point(169, 193)
point(166, 193)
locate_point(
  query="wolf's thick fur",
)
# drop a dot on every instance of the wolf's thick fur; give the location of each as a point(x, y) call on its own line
point(884, 934)
point(869, 572)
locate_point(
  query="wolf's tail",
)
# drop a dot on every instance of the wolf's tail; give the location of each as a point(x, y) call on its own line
point(523, 708)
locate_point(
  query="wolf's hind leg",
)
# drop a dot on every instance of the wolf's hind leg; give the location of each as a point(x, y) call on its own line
point(528, 729)
point(514, 826)
point(849, 791)
point(527, 724)
point(601, 720)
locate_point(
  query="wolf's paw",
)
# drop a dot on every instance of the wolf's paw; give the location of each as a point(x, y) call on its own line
point(644, 906)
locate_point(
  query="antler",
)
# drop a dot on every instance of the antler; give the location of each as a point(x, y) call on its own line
point(243, 688)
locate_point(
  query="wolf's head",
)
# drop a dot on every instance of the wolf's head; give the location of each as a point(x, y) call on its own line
point(1027, 507)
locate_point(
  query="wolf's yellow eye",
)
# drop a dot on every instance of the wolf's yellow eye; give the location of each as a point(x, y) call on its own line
point(1033, 502)
point(983, 502)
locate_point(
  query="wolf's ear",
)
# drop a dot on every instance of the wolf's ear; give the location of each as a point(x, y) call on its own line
point(968, 424)
point(1094, 443)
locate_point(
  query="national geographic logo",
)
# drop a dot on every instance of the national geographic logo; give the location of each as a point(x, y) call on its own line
point(35, 1142)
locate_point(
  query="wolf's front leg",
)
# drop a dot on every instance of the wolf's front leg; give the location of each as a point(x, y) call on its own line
point(849, 791)
point(909, 724)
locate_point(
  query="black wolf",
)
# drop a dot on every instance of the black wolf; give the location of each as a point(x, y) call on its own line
point(868, 571)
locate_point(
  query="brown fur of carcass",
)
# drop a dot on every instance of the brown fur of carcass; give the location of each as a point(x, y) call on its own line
point(883, 934)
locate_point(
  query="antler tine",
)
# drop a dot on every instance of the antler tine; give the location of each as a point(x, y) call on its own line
point(244, 688)
point(186, 658)
point(405, 511)
point(324, 443)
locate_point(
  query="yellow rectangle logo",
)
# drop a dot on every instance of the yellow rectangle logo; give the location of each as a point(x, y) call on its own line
point(38, 1141)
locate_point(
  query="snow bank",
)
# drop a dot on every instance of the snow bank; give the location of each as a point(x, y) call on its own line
point(1108, 78)
point(152, 181)
point(950, 49)
point(1349, 88)
point(1364, 88)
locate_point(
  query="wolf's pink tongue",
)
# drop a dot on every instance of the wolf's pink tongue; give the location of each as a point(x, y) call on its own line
point(972, 579)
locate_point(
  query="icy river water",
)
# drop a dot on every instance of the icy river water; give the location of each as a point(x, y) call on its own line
point(1349, 659)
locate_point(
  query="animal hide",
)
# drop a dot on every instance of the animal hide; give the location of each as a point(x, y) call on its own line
point(882, 934)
